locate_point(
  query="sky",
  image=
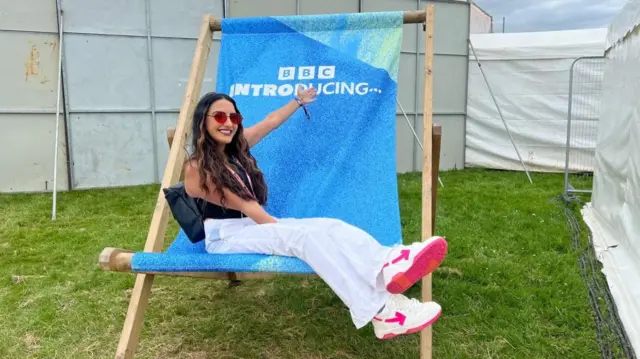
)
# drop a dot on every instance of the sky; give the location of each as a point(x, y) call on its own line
point(549, 15)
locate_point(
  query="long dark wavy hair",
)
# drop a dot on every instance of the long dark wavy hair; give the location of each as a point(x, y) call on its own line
point(211, 163)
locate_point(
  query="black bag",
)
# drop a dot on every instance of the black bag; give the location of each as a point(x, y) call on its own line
point(186, 211)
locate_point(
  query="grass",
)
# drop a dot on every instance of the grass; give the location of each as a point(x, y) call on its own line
point(510, 286)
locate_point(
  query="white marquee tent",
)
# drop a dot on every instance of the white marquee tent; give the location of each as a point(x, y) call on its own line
point(614, 213)
point(529, 76)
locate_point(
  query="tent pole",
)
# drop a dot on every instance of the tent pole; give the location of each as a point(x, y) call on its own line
point(57, 139)
point(152, 92)
point(499, 111)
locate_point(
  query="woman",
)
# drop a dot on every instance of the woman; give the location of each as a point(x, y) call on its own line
point(367, 276)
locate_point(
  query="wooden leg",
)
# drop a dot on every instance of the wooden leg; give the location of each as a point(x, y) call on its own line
point(435, 170)
point(427, 169)
point(171, 134)
point(233, 280)
point(130, 335)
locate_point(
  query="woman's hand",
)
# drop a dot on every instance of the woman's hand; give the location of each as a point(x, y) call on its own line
point(306, 96)
point(256, 212)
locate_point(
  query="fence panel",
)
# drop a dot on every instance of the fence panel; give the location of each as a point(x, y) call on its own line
point(127, 66)
point(585, 94)
point(28, 93)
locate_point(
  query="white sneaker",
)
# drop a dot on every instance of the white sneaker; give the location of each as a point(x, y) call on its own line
point(402, 315)
point(408, 264)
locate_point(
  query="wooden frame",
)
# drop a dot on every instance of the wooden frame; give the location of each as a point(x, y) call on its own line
point(428, 202)
point(119, 260)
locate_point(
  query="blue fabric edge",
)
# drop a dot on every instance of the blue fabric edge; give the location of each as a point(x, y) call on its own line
point(209, 262)
point(357, 21)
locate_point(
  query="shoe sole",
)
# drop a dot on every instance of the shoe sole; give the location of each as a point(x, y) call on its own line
point(413, 330)
point(424, 263)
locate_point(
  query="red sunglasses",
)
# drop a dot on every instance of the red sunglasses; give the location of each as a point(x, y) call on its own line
point(221, 117)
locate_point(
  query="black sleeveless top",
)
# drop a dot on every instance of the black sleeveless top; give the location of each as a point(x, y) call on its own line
point(211, 210)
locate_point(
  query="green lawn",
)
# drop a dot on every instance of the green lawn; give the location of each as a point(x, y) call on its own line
point(510, 286)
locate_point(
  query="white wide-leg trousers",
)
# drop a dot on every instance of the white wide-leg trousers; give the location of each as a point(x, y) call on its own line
point(347, 258)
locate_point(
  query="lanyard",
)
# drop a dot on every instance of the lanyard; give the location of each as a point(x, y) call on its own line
point(237, 177)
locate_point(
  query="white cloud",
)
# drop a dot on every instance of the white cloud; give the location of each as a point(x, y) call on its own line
point(547, 15)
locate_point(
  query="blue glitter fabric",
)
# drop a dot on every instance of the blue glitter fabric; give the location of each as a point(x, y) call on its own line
point(342, 162)
point(184, 256)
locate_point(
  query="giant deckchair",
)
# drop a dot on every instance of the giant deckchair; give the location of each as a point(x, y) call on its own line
point(172, 262)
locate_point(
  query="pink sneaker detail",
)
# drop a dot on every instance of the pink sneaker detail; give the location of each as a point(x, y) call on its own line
point(402, 315)
point(399, 318)
point(410, 263)
point(412, 330)
point(404, 255)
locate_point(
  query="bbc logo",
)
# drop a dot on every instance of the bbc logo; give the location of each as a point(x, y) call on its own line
point(306, 73)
